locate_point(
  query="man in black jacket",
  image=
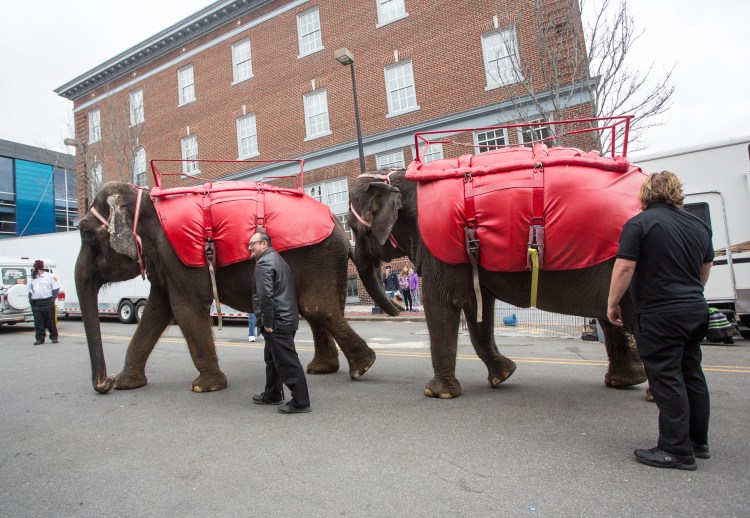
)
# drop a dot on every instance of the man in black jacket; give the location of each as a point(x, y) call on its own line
point(275, 306)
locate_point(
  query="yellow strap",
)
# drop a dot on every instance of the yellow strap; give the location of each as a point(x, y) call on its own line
point(534, 254)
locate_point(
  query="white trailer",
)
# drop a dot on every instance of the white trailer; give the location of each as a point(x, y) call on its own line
point(716, 180)
point(125, 300)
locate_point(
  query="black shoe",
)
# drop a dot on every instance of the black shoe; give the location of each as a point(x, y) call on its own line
point(54, 341)
point(262, 399)
point(701, 451)
point(39, 342)
point(291, 408)
point(662, 459)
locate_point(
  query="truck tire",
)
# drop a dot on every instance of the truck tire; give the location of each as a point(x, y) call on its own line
point(126, 312)
point(139, 310)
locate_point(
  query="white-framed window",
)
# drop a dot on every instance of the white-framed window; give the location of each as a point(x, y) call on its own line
point(97, 178)
point(186, 84)
point(390, 159)
point(490, 140)
point(501, 64)
point(139, 167)
point(399, 83)
point(335, 194)
point(390, 11)
point(247, 137)
point(190, 152)
point(95, 126)
point(534, 134)
point(242, 61)
point(430, 153)
point(316, 114)
point(308, 32)
point(137, 116)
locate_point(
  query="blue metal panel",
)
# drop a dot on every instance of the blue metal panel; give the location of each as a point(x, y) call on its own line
point(35, 205)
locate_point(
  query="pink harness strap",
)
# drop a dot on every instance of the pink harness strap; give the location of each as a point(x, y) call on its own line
point(387, 179)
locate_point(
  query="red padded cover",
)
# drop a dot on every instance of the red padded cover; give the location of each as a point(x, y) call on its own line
point(292, 219)
point(587, 200)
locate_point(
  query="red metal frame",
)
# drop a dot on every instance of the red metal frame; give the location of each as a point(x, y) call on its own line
point(299, 177)
point(614, 122)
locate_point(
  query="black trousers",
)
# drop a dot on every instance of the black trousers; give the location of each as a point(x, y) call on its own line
point(669, 346)
point(283, 367)
point(44, 317)
point(407, 298)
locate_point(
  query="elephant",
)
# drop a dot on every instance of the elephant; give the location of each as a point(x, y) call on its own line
point(183, 294)
point(385, 223)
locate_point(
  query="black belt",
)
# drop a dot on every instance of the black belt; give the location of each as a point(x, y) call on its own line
point(48, 299)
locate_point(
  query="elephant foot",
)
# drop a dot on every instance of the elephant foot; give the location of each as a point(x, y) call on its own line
point(210, 382)
point(358, 366)
point(500, 370)
point(129, 381)
point(317, 366)
point(625, 377)
point(443, 389)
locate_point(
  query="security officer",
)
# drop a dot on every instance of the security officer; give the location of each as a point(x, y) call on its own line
point(42, 294)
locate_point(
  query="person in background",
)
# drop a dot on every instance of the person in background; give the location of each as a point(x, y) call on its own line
point(665, 256)
point(275, 305)
point(43, 292)
point(252, 332)
point(390, 282)
point(403, 281)
point(414, 288)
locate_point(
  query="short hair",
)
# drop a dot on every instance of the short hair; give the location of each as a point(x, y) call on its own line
point(663, 186)
point(264, 237)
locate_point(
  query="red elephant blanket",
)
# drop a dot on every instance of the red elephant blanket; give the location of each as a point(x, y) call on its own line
point(228, 212)
point(580, 199)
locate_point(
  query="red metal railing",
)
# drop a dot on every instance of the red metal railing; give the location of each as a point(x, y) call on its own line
point(299, 177)
point(612, 125)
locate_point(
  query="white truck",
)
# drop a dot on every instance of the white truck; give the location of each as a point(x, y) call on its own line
point(125, 300)
point(716, 180)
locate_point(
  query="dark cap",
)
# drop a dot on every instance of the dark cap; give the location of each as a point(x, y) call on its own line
point(38, 264)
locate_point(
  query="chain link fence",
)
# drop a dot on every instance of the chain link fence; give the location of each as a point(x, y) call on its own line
point(512, 320)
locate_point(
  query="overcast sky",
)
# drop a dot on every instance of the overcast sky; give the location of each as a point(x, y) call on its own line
point(46, 44)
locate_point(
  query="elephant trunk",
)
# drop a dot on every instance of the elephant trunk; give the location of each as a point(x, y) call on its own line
point(368, 270)
point(88, 297)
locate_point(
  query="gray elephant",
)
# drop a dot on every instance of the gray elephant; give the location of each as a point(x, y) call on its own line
point(183, 294)
point(385, 223)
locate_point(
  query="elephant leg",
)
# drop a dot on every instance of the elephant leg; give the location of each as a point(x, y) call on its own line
point(442, 324)
point(358, 354)
point(156, 316)
point(326, 359)
point(625, 367)
point(196, 328)
point(482, 334)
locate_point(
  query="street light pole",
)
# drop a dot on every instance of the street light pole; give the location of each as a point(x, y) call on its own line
point(345, 57)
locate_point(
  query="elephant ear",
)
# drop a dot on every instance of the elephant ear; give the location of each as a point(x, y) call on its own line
point(120, 227)
point(386, 202)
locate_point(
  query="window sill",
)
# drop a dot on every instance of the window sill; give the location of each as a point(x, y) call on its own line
point(495, 86)
point(94, 141)
point(251, 155)
point(185, 103)
point(379, 24)
point(319, 135)
point(403, 112)
point(300, 56)
point(236, 82)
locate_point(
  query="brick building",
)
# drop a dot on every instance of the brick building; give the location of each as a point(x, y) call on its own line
point(254, 79)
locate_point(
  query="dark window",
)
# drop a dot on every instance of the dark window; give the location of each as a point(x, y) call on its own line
point(7, 189)
point(700, 211)
point(352, 295)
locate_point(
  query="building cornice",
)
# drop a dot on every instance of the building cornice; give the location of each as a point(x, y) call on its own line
point(172, 38)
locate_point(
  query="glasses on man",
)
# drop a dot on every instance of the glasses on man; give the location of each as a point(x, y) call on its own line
point(255, 242)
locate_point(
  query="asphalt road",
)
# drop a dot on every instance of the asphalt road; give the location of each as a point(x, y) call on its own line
point(551, 441)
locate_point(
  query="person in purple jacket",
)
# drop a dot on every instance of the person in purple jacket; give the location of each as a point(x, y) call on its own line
point(414, 289)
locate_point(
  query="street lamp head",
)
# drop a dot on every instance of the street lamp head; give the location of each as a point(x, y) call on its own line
point(344, 56)
point(72, 142)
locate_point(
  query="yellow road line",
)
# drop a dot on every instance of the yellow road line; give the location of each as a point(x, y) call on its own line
point(737, 369)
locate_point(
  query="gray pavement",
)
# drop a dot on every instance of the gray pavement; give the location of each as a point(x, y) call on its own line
point(551, 441)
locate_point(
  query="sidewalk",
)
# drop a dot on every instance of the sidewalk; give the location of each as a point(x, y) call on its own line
point(365, 313)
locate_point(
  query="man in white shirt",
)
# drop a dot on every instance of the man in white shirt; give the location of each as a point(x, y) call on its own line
point(43, 291)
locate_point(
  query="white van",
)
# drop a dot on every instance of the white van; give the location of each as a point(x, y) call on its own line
point(15, 277)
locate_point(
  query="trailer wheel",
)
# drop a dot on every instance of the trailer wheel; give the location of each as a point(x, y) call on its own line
point(126, 312)
point(139, 310)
